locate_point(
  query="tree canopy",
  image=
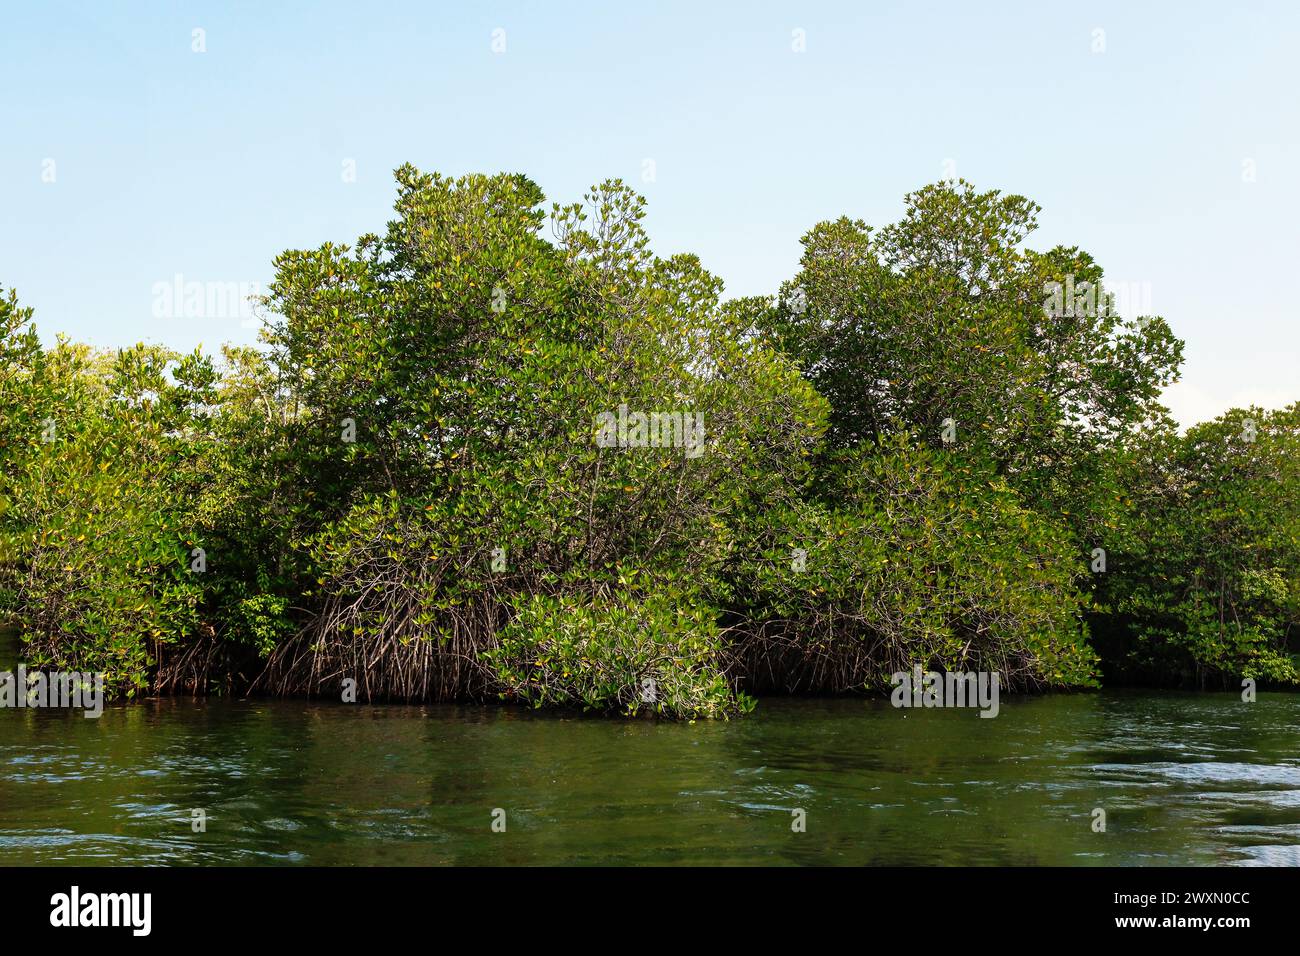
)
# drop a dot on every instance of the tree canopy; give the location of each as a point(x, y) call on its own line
point(505, 450)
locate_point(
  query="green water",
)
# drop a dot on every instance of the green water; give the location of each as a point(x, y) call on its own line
point(1184, 779)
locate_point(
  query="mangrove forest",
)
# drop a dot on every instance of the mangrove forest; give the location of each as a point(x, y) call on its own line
point(501, 450)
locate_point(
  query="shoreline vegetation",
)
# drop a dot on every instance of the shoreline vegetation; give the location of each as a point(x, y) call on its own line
point(504, 451)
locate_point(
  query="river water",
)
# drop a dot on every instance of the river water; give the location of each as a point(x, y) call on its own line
point(1182, 779)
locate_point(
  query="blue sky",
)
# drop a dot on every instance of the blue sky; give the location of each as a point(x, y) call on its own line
point(1173, 155)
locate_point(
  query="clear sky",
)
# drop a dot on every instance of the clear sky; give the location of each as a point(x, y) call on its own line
point(1164, 138)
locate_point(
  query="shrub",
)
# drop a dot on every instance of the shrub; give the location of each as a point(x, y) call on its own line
point(97, 570)
point(477, 367)
point(909, 557)
point(658, 654)
point(1203, 577)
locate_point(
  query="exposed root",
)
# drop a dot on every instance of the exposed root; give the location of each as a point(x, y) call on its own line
point(205, 665)
point(409, 661)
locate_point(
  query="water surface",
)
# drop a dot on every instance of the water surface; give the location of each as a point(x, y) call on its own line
point(1182, 778)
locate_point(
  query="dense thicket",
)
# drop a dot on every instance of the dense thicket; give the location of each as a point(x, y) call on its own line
point(500, 452)
point(1203, 582)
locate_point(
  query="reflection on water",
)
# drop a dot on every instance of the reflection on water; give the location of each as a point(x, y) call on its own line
point(1195, 779)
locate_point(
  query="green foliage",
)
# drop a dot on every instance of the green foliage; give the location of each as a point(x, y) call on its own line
point(436, 477)
point(617, 653)
point(476, 363)
point(21, 360)
point(117, 466)
point(907, 555)
point(1204, 584)
point(95, 549)
point(945, 318)
point(257, 619)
